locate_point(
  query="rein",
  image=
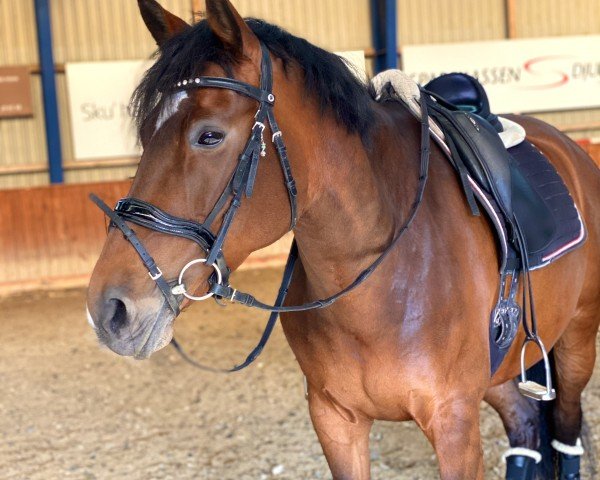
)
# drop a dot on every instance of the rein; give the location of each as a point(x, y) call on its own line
point(242, 182)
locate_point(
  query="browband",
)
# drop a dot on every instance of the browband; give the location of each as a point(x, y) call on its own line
point(261, 96)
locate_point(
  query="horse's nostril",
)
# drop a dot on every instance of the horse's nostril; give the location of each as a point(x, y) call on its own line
point(119, 317)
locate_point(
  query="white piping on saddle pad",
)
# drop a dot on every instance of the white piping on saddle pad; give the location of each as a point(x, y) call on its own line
point(407, 91)
point(524, 452)
point(551, 256)
point(576, 450)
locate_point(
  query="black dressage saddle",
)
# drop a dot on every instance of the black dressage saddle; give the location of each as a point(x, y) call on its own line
point(534, 215)
point(466, 93)
point(523, 185)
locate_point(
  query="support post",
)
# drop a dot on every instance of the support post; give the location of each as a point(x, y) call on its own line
point(510, 8)
point(53, 143)
point(385, 36)
point(391, 34)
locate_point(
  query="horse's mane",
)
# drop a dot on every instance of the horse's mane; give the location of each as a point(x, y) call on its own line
point(326, 76)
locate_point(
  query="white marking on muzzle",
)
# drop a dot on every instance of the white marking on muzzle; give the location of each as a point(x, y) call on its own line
point(89, 318)
point(170, 108)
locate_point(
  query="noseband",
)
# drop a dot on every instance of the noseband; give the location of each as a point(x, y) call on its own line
point(241, 183)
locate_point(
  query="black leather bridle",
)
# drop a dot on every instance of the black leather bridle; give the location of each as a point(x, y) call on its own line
point(242, 183)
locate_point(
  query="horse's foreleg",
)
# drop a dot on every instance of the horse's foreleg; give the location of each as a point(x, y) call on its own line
point(520, 418)
point(574, 354)
point(453, 429)
point(344, 436)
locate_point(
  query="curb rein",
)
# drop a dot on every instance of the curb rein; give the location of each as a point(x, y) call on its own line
point(241, 183)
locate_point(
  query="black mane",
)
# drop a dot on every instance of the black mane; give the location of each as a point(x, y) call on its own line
point(326, 76)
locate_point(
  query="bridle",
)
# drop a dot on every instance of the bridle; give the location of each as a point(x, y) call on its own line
point(241, 183)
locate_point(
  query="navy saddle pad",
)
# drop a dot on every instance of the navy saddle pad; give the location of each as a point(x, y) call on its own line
point(543, 205)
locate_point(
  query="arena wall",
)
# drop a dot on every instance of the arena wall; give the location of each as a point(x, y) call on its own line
point(51, 236)
point(53, 251)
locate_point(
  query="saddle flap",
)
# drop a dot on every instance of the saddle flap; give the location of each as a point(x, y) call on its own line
point(482, 152)
point(535, 218)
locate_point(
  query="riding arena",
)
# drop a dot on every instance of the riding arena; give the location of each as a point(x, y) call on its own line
point(292, 239)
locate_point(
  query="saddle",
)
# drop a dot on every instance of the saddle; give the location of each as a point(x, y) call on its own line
point(519, 182)
point(526, 200)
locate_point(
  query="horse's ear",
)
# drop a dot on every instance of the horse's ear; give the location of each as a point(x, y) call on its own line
point(228, 25)
point(162, 24)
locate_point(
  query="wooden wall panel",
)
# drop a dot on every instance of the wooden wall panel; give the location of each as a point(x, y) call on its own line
point(574, 122)
point(51, 236)
point(443, 21)
point(87, 30)
point(80, 36)
point(23, 180)
point(548, 18)
point(22, 140)
point(83, 30)
point(18, 38)
point(331, 24)
point(474, 20)
point(92, 30)
point(51, 233)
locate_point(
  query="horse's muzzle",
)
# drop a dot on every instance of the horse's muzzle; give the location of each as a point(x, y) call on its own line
point(132, 328)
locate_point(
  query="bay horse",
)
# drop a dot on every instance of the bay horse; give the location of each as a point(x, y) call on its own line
point(411, 341)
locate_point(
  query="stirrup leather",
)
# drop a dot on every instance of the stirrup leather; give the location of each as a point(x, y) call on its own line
point(533, 389)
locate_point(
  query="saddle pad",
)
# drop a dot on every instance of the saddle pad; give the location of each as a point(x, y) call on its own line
point(546, 211)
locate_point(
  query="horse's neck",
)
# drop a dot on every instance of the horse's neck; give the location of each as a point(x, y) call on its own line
point(358, 198)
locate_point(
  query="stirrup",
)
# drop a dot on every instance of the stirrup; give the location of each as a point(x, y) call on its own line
point(533, 389)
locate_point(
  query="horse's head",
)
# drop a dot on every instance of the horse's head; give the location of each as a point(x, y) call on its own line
point(214, 181)
point(193, 131)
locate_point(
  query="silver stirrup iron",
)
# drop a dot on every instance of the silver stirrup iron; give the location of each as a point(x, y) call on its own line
point(179, 289)
point(533, 389)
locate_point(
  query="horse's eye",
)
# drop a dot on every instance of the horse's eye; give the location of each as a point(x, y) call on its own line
point(210, 139)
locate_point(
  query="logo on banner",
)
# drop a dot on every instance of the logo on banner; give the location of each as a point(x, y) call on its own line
point(519, 75)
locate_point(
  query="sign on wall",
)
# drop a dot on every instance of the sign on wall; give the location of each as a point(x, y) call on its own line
point(99, 94)
point(533, 75)
point(15, 92)
point(356, 59)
